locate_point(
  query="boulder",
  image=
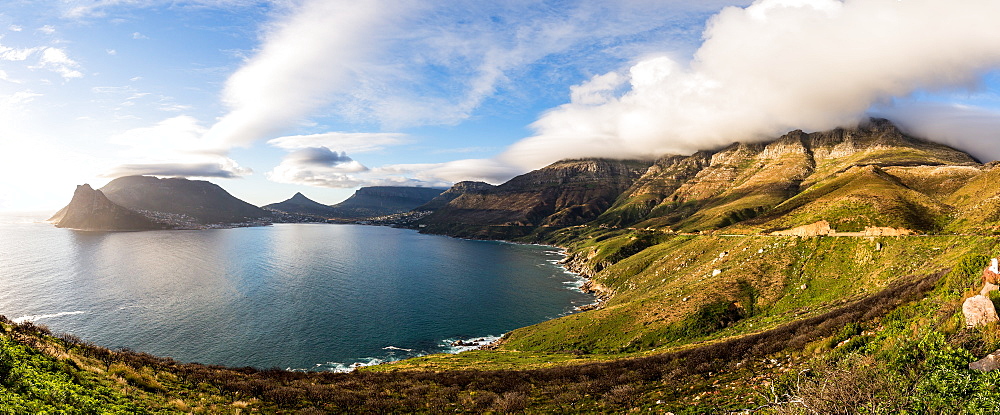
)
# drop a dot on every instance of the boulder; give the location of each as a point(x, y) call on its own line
point(987, 287)
point(987, 364)
point(978, 311)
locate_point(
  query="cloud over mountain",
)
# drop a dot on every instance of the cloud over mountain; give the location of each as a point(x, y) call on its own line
point(772, 67)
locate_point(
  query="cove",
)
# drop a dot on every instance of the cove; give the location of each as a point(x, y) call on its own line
point(292, 296)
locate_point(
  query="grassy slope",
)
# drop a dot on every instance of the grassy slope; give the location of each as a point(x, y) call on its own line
point(726, 375)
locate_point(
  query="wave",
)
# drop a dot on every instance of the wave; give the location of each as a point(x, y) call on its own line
point(395, 354)
point(37, 317)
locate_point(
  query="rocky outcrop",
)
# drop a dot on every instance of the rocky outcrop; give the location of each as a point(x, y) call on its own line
point(453, 193)
point(978, 311)
point(751, 183)
point(91, 210)
point(820, 228)
point(569, 192)
point(987, 364)
point(886, 231)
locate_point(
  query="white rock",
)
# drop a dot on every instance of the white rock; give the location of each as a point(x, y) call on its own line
point(716, 272)
point(978, 311)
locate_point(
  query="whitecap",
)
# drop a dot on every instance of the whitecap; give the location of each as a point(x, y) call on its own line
point(37, 317)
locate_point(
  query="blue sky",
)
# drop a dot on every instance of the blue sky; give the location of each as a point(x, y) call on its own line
point(267, 98)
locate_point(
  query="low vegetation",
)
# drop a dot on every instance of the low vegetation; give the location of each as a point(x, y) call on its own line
point(873, 353)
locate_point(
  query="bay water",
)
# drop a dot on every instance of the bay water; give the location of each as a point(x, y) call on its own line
point(292, 296)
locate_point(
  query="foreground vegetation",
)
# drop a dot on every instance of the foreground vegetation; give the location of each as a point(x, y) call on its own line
point(894, 341)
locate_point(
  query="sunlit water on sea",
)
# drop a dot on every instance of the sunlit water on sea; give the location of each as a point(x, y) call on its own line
point(299, 296)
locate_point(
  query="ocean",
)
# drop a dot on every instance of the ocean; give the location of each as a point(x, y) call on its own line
point(291, 296)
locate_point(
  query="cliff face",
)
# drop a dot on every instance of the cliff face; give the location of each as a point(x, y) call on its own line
point(565, 193)
point(197, 200)
point(91, 210)
point(453, 193)
point(373, 201)
point(783, 182)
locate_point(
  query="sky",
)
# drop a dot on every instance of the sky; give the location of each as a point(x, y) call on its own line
point(269, 98)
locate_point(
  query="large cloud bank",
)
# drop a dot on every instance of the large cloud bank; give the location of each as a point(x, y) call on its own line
point(774, 66)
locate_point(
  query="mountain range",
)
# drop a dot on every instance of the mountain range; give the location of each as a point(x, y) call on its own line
point(134, 203)
point(366, 202)
point(874, 175)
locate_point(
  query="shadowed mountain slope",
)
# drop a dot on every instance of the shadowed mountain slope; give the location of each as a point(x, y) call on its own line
point(566, 193)
point(90, 210)
point(200, 201)
point(453, 193)
point(301, 205)
point(373, 201)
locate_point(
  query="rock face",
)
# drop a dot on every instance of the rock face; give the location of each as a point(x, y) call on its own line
point(453, 193)
point(91, 210)
point(843, 176)
point(978, 311)
point(383, 200)
point(566, 193)
point(814, 229)
point(987, 364)
point(196, 200)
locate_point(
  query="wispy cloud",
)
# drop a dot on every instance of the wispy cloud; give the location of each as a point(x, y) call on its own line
point(173, 147)
point(59, 62)
point(775, 66)
point(219, 170)
point(318, 166)
point(305, 58)
point(49, 58)
point(322, 167)
point(974, 130)
point(81, 9)
point(404, 63)
point(349, 142)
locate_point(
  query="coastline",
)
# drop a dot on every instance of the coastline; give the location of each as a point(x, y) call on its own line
point(575, 280)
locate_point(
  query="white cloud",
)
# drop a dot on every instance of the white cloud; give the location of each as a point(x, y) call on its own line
point(139, 36)
point(304, 58)
point(775, 66)
point(57, 61)
point(349, 142)
point(111, 52)
point(172, 147)
point(404, 63)
point(47, 29)
point(17, 100)
point(10, 54)
point(973, 130)
point(321, 167)
point(318, 166)
point(15, 28)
